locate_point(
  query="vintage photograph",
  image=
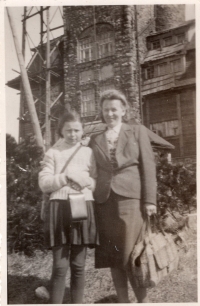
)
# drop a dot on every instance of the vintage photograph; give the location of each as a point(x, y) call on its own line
point(101, 153)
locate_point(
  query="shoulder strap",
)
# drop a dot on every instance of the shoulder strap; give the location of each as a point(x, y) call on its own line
point(70, 158)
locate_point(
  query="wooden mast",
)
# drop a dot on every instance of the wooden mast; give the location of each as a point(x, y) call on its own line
point(48, 92)
point(25, 81)
point(138, 64)
point(21, 110)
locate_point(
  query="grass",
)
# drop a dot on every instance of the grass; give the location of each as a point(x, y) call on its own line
point(26, 274)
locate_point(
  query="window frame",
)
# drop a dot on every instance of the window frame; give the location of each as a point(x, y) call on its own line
point(167, 70)
point(177, 38)
point(165, 40)
point(153, 43)
point(86, 109)
point(165, 128)
point(151, 70)
point(180, 65)
point(82, 47)
point(105, 39)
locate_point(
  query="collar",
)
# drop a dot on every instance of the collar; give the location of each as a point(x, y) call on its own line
point(116, 128)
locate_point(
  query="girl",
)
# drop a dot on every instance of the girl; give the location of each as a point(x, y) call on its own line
point(69, 240)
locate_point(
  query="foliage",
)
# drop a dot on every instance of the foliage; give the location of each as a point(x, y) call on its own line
point(25, 233)
point(23, 195)
point(176, 186)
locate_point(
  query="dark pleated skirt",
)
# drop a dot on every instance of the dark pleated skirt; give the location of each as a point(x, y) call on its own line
point(59, 228)
point(119, 222)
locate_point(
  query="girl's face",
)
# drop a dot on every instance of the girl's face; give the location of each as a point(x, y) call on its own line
point(72, 132)
point(113, 111)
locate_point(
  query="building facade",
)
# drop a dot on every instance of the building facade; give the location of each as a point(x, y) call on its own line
point(102, 48)
point(100, 53)
point(169, 87)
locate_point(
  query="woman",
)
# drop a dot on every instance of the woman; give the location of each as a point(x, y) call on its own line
point(125, 190)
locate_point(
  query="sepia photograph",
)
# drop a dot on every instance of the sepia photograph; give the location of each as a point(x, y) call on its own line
point(100, 125)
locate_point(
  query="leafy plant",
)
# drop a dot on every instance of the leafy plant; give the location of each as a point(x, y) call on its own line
point(176, 186)
point(25, 230)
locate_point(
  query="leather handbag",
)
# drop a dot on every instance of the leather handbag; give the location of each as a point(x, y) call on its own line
point(46, 196)
point(153, 257)
point(78, 206)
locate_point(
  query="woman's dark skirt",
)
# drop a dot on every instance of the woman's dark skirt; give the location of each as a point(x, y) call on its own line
point(119, 222)
point(59, 228)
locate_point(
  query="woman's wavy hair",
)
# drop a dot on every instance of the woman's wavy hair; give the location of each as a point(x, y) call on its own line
point(70, 116)
point(114, 94)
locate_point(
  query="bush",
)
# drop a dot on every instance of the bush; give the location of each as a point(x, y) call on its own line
point(25, 230)
point(176, 187)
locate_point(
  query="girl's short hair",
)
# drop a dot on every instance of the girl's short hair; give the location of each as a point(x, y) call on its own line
point(70, 116)
point(114, 94)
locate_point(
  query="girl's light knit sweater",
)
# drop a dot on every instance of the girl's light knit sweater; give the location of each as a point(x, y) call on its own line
point(82, 164)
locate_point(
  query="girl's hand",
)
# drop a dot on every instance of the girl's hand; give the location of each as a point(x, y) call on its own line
point(75, 186)
point(150, 209)
point(82, 181)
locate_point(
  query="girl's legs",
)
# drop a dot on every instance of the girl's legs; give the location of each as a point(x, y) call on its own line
point(121, 284)
point(77, 264)
point(61, 260)
point(60, 267)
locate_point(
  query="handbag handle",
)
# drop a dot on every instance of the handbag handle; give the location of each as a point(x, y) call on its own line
point(153, 224)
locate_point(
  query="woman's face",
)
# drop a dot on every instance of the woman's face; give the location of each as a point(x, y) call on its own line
point(113, 111)
point(72, 132)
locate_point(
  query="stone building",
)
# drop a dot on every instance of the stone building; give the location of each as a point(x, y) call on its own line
point(102, 48)
point(100, 51)
point(169, 87)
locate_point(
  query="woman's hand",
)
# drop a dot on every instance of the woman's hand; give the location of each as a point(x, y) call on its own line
point(150, 209)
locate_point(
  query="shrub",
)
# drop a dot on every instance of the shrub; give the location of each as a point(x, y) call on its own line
point(25, 230)
point(176, 187)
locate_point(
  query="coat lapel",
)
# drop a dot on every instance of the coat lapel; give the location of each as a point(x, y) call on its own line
point(102, 144)
point(123, 138)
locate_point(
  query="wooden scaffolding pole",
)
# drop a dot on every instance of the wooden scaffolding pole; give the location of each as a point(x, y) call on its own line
point(26, 85)
point(138, 65)
point(21, 110)
point(48, 91)
point(40, 108)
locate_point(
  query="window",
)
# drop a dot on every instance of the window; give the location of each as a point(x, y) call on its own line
point(86, 50)
point(180, 38)
point(163, 69)
point(165, 129)
point(176, 65)
point(88, 103)
point(96, 44)
point(150, 72)
point(168, 41)
point(156, 44)
point(105, 45)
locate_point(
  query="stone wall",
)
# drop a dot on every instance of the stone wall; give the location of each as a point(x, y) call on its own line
point(123, 62)
point(169, 16)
